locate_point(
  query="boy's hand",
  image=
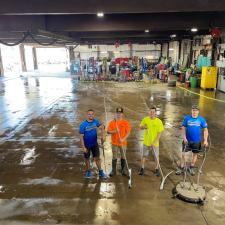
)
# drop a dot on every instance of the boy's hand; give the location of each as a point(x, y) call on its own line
point(206, 144)
point(102, 141)
point(84, 150)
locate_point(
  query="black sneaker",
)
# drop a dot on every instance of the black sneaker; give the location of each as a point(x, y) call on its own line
point(141, 172)
point(157, 172)
point(180, 171)
point(191, 170)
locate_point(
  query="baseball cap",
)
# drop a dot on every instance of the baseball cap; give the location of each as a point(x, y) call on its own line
point(195, 107)
point(119, 110)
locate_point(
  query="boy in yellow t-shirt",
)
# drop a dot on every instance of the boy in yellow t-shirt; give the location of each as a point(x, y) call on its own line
point(153, 127)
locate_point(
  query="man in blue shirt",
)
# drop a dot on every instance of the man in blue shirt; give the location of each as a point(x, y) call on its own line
point(89, 144)
point(191, 134)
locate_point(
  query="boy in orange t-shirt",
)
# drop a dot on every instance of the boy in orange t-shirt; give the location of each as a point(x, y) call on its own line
point(119, 128)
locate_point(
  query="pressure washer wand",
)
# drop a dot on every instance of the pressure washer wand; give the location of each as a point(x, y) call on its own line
point(200, 169)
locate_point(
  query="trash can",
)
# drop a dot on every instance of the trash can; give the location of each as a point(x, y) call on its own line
point(187, 84)
point(193, 82)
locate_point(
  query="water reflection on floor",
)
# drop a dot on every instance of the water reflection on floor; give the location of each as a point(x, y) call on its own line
point(41, 166)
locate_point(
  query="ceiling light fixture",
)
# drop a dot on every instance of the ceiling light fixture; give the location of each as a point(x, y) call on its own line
point(171, 49)
point(146, 31)
point(194, 29)
point(100, 14)
point(173, 35)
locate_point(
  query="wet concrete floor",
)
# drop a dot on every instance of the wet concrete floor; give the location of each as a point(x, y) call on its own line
point(41, 166)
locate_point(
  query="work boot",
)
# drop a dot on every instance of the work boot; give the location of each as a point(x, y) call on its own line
point(113, 172)
point(180, 171)
point(191, 170)
point(157, 172)
point(123, 163)
point(141, 172)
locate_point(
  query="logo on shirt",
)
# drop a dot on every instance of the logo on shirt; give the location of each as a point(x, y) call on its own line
point(194, 123)
point(92, 127)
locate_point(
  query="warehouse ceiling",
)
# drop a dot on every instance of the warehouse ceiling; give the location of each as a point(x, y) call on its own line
point(75, 21)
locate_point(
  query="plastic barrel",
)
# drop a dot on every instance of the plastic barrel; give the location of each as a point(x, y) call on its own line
point(193, 82)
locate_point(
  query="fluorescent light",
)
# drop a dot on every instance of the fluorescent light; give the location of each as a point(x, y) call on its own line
point(173, 35)
point(103, 52)
point(146, 31)
point(194, 29)
point(100, 14)
point(171, 49)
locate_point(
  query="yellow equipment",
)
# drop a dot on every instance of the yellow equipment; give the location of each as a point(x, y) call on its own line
point(209, 77)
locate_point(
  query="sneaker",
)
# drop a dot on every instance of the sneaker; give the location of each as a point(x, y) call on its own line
point(180, 171)
point(111, 174)
point(102, 174)
point(123, 173)
point(157, 173)
point(191, 171)
point(141, 172)
point(88, 174)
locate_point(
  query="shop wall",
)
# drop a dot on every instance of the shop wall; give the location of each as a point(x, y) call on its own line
point(148, 50)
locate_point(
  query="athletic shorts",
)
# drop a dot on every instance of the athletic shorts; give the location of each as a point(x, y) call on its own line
point(192, 146)
point(147, 149)
point(94, 151)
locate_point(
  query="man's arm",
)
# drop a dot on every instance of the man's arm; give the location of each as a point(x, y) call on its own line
point(206, 134)
point(128, 130)
point(125, 137)
point(102, 133)
point(157, 138)
point(111, 130)
point(143, 127)
point(183, 132)
point(84, 149)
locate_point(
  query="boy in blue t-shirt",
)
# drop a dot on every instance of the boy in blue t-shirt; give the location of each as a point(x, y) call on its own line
point(191, 134)
point(89, 144)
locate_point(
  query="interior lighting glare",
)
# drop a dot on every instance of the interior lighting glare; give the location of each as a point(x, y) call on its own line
point(100, 14)
point(194, 29)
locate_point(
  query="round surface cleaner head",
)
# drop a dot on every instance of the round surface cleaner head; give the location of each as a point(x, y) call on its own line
point(190, 192)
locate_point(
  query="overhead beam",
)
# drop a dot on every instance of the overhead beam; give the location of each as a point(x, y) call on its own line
point(23, 7)
point(136, 34)
point(22, 23)
point(47, 34)
point(126, 22)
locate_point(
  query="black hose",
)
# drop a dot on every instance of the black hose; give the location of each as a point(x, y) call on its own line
point(25, 35)
point(29, 34)
point(40, 43)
